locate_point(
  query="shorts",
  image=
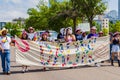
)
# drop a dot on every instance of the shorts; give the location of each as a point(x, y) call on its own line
point(115, 48)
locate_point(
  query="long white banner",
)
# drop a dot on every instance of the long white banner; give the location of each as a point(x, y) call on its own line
point(54, 54)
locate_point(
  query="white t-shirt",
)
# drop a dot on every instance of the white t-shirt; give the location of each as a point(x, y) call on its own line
point(31, 36)
point(5, 42)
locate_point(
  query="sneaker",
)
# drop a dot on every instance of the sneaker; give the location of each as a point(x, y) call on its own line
point(23, 71)
point(8, 73)
point(44, 69)
point(97, 65)
point(26, 70)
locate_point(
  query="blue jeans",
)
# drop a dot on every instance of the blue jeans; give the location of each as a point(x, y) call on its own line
point(5, 58)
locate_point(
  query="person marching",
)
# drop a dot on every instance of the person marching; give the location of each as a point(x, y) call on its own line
point(115, 48)
point(32, 35)
point(24, 37)
point(93, 34)
point(61, 35)
point(5, 51)
point(44, 37)
point(69, 37)
point(100, 34)
point(78, 34)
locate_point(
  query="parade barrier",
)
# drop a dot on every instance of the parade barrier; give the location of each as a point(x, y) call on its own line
point(52, 54)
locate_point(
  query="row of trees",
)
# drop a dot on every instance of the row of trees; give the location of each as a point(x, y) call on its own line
point(64, 13)
point(114, 27)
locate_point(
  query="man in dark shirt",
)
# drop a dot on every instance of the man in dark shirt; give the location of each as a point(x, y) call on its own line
point(78, 34)
point(92, 32)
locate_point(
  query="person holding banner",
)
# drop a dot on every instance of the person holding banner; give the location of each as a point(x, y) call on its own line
point(100, 34)
point(61, 35)
point(69, 37)
point(32, 35)
point(78, 34)
point(24, 37)
point(115, 48)
point(84, 35)
point(44, 36)
point(5, 51)
point(93, 35)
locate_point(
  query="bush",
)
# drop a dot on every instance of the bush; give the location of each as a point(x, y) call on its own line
point(105, 31)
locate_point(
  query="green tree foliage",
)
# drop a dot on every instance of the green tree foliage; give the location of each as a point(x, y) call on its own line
point(97, 26)
point(48, 17)
point(63, 13)
point(105, 31)
point(14, 28)
point(114, 27)
point(90, 8)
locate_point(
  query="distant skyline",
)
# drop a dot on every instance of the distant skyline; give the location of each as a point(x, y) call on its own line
point(113, 5)
point(10, 9)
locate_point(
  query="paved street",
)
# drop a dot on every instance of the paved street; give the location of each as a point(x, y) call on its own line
point(105, 72)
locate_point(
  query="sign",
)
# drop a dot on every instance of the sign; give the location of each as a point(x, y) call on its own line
point(84, 26)
point(47, 54)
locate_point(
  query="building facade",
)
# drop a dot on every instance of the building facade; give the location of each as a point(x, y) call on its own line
point(105, 23)
point(2, 24)
point(119, 9)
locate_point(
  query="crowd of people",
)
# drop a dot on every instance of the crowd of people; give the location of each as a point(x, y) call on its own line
point(65, 35)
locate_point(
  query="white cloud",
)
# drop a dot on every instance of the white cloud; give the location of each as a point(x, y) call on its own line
point(8, 16)
point(13, 1)
point(15, 9)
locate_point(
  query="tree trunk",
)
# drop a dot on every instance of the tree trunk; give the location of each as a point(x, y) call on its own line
point(91, 22)
point(74, 24)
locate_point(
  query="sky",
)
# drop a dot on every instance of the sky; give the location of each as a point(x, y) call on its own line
point(10, 9)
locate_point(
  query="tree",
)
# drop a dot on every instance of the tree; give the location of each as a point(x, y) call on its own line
point(97, 26)
point(90, 8)
point(57, 15)
point(105, 31)
point(14, 28)
point(114, 27)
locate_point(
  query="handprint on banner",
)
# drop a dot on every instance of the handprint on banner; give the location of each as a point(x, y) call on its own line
point(27, 47)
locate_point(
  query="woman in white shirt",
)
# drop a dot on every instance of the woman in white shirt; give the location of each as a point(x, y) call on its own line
point(31, 34)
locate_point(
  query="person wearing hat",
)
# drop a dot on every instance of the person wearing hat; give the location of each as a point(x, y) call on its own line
point(69, 37)
point(78, 34)
point(31, 33)
point(115, 48)
point(84, 35)
point(100, 34)
point(44, 36)
point(61, 35)
point(24, 36)
point(5, 51)
point(92, 33)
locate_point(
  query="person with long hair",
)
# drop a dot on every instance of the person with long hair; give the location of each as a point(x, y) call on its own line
point(24, 36)
point(44, 36)
point(69, 37)
point(115, 48)
point(84, 35)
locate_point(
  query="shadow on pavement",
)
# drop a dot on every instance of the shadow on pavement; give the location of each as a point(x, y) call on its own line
point(52, 69)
